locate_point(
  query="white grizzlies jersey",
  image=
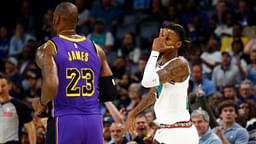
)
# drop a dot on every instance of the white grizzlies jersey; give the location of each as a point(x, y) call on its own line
point(172, 102)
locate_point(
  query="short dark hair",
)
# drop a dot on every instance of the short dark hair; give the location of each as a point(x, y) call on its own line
point(227, 103)
point(3, 76)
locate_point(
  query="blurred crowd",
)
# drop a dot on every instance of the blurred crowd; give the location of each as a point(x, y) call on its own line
point(222, 59)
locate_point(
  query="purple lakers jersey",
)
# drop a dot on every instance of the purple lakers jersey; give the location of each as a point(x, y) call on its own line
point(78, 72)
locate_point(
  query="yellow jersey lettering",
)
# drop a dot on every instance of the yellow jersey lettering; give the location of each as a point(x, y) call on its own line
point(73, 55)
point(86, 57)
point(69, 56)
point(78, 56)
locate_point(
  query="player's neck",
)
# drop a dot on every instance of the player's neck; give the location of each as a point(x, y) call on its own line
point(67, 32)
point(168, 56)
point(4, 98)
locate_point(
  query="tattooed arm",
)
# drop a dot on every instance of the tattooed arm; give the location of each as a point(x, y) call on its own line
point(176, 71)
point(146, 102)
point(45, 60)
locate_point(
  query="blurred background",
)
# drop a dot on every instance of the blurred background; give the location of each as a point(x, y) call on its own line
point(222, 54)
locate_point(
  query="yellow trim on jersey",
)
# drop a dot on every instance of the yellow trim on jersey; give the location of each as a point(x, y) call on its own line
point(52, 108)
point(54, 46)
point(97, 51)
point(57, 129)
point(82, 38)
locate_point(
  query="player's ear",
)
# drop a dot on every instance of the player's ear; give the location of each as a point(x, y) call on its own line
point(178, 44)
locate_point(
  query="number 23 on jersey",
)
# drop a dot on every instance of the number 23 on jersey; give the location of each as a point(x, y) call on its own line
point(86, 75)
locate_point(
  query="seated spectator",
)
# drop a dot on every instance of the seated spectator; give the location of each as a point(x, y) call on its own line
point(101, 36)
point(107, 11)
point(198, 81)
point(137, 76)
point(19, 40)
point(210, 57)
point(226, 28)
point(200, 119)
point(135, 93)
point(246, 92)
point(251, 44)
point(230, 93)
point(4, 42)
point(141, 129)
point(117, 134)
point(239, 57)
point(226, 73)
point(229, 130)
point(251, 68)
point(247, 118)
point(11, 70)
point(236, 34)
point(128, 48)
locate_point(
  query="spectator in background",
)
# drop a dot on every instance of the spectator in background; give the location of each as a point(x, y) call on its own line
point(47, 27)
point(117, 134)
point(19, 40)
point(14, 115)
point(106, 11)
point(247, 118)
point(230, 93)
point(200, 119)
point(84, 13)
point(246, 92)
point(210, 57)
point(26, 58)
point(226, 42)
point(226, 73)
point(135, 94)
point(251, 44)
point(137, 76)
point(246, 15)
point(220, 9)
point(101, 36)
point(129, 48)
point(199, 81)
point(4, 42)
point(251, 68)
point(239, 57)
point(31, 90)
point(226, 28)
point(141, 129)
point(11, 71)
point(230, 131)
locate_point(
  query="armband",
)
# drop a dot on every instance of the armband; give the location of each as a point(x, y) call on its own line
point(107, 89)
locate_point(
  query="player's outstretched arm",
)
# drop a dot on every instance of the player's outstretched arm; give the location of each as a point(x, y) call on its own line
point(146, 102)
point(45, 60)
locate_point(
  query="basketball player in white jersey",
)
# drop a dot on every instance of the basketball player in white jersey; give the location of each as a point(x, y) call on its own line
point(167, 74)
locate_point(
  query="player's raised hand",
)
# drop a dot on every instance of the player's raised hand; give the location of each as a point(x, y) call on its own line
point(162, 43)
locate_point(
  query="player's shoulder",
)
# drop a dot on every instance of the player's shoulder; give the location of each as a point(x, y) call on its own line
point(179, 60)
point(47, 47)
point(100, 51)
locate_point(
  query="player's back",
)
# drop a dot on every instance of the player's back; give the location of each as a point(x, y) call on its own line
point(78, 72)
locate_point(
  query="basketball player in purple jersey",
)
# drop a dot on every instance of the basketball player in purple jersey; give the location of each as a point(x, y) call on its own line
point(75, 72)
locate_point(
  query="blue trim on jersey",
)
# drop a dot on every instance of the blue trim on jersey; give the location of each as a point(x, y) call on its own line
point(159, 90)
